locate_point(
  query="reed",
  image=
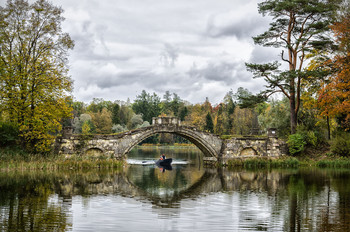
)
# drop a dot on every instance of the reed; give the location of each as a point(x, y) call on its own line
point(264, 163)
point(334, 163)
point(11, 159)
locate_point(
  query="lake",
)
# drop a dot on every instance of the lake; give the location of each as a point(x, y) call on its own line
point(189, 197)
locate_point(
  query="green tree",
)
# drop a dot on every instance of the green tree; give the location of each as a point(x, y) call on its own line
point(166, 103)
point(219, 122)
point(125, 115)
point(33, 70)
point(148, 105)
point(228, 113)
point(276, 115)
point(98, 104)
point(209, 126)
point(299, 26)
point(183, 113)
point(175, 104)
point(115, 113)
point(79, 108)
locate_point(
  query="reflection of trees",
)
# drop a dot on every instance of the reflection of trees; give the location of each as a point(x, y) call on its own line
point(28, 205)
point(312, 200)
point(336, 215)
point(318, 201)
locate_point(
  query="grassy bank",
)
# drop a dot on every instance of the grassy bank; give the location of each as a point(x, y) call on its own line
point(15, 158)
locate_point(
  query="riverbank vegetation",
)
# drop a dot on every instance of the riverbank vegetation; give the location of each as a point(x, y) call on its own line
point(12, 158)
point(313, 112)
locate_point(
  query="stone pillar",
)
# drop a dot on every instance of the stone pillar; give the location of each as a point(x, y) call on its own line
point(165, 121)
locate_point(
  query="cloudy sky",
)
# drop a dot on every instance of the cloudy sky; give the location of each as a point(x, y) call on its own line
point(195, 48)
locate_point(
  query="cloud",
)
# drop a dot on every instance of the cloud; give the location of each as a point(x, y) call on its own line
point(169, 55)
point(194, 48)
point(242, 22)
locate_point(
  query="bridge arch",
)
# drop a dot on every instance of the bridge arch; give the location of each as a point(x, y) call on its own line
point(199, 138)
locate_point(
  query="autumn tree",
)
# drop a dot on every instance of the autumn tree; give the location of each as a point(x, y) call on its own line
point(334, 97)
point(102, 121)
point(299, 26)
point(33, 70)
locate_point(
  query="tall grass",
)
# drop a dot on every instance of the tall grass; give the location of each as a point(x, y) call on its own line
point(264, 163)
point(14, 158)
point(334, 163)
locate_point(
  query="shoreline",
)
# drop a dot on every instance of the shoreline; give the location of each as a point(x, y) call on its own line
point(16, 159)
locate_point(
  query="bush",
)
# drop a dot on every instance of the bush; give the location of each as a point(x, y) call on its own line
point(8, 133)
point(296, 143)
point(119, 128)
point(341, 145)
point(311, 138)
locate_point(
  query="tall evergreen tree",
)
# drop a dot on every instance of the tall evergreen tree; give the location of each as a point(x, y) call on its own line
point(115, 113)
point(299, 26)
point(209, 125)
point(148, 105)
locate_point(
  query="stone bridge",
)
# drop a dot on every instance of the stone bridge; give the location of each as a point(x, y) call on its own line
point(213, 147)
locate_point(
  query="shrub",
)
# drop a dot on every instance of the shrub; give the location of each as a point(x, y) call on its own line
point(311, 138)
point(296, 143)
point(341, 145)
point(8, 133)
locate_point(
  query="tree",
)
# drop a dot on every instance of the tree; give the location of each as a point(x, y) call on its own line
point(33, 70)
point(147, 105)
point(125, 115)
point(115, 113)
point(276, 116)
point(166, 103)
point(183, 113)
point(298, 27)
point(219, 121)
point(334, 97)
point(102, 121)
point(136, 121)
point(175, 104)
point(209, 126)
point(98, 104)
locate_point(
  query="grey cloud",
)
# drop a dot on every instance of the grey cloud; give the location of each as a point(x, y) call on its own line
point(125, 46)
point(169, 55)
point(222, 71)
point(264, 54)
point(242, 27)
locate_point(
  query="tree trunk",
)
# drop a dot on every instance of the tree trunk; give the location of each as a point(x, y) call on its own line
point(293, 113)
point(328, 128)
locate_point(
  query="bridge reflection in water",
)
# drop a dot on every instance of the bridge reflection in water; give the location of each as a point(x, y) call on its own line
point(274, 200)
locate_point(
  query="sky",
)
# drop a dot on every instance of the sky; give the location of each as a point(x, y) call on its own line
point(195, 48)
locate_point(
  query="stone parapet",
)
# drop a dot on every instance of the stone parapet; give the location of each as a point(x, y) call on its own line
point(166, 121)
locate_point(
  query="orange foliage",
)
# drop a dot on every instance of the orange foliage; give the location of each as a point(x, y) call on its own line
point(334, 98)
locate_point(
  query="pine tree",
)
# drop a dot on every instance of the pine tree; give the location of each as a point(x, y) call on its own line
point(209, 126)
point(299, 26)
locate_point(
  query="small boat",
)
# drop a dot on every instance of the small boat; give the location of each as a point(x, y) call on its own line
point(165, 162)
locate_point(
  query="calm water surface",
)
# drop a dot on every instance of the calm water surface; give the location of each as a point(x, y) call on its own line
point(144, 197)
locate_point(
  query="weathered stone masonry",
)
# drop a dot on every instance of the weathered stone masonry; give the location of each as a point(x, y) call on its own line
point(213, 147)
